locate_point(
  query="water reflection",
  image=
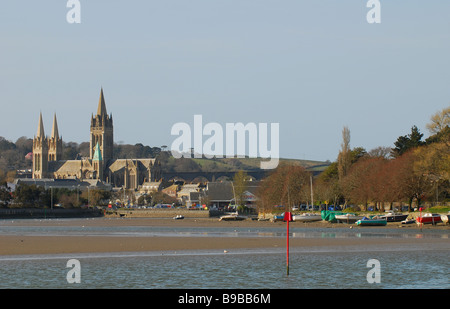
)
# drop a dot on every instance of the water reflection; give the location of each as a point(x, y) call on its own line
point(161, 231)
point(313, 268)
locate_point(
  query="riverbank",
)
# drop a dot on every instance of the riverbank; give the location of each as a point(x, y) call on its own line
point(91, 243)
point(204, 222)
point(48, 213)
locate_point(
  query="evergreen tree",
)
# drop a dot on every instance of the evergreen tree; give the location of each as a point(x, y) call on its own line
point(406, 142)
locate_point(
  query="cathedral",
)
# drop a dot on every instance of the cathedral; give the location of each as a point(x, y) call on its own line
point(100, 165)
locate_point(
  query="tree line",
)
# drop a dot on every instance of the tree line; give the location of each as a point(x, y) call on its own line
point(32, 196)
point(414, 170)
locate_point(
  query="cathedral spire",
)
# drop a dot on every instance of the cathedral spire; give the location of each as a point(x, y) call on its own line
point(55, 133)
point(40, 131)
point(101, 110)
point(102, 131)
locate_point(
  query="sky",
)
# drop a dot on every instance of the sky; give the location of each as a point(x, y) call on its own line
point(312, 66)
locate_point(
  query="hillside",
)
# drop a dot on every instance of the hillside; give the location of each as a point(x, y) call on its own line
point(171, 164)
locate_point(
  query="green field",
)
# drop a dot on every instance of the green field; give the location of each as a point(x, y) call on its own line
point(235, 164)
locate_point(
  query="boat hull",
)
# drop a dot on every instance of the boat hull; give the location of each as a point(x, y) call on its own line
point(348, 218)
point(429, 219)
point(371, 222)
point(394, 217)
point(231, 218)
point(307, 218)
point(408, 221)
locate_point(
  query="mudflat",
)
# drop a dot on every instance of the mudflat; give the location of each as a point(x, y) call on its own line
point(54, 244)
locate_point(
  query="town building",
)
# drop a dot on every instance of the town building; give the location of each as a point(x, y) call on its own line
point(222, 194)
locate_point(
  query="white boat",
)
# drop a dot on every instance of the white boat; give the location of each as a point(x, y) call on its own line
point(349, 218)
point(408, 221)
point(178, 217)
point(231, 217)
point(307, 217)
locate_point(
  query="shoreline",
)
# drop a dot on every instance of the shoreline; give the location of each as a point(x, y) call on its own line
point(54, 244)
point(203, 222)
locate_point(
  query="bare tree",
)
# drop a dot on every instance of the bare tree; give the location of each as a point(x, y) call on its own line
point(439, 121)
point(344, 157)
point(286, 186)
point(239, 187)
point(380, 152)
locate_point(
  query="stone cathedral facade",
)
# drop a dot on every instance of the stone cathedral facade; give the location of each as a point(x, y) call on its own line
point(100, 165)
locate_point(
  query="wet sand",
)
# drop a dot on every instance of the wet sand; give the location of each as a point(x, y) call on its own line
point(28, 244)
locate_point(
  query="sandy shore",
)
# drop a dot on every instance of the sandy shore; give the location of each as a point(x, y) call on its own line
point(28, 244)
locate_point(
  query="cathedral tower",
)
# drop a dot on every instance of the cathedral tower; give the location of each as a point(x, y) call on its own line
point(54, 143)
point(102, 131)
point(40, 152)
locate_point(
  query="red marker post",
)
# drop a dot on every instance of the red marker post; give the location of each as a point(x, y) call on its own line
point(421, 219)
point(287, 218)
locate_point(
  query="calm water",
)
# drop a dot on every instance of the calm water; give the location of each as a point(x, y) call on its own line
point(406, 266)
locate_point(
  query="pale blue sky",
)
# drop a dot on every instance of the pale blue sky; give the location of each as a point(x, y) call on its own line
point(313, 66)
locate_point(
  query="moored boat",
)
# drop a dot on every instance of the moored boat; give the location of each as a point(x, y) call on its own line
point(278, 217)
point(178, 217)
point(394, 217)
point(330, 215)
point(408, 221)
point(429, 218)
point(307, 217)
point(348, 218)
point(371, 222)
point(231, 217)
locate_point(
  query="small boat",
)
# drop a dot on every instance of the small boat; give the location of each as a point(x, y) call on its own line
point(178, 217)
point(349, 218)
point(408, 221)
point(307, 217)
point(330, 215)
point(394, 217)
point(231, 217)
point(429, 218)
point(445, 218)
point(371, 222)
point(278, 217)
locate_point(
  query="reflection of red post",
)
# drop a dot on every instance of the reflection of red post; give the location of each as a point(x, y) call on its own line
point(421, 219)
point(287, 218)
